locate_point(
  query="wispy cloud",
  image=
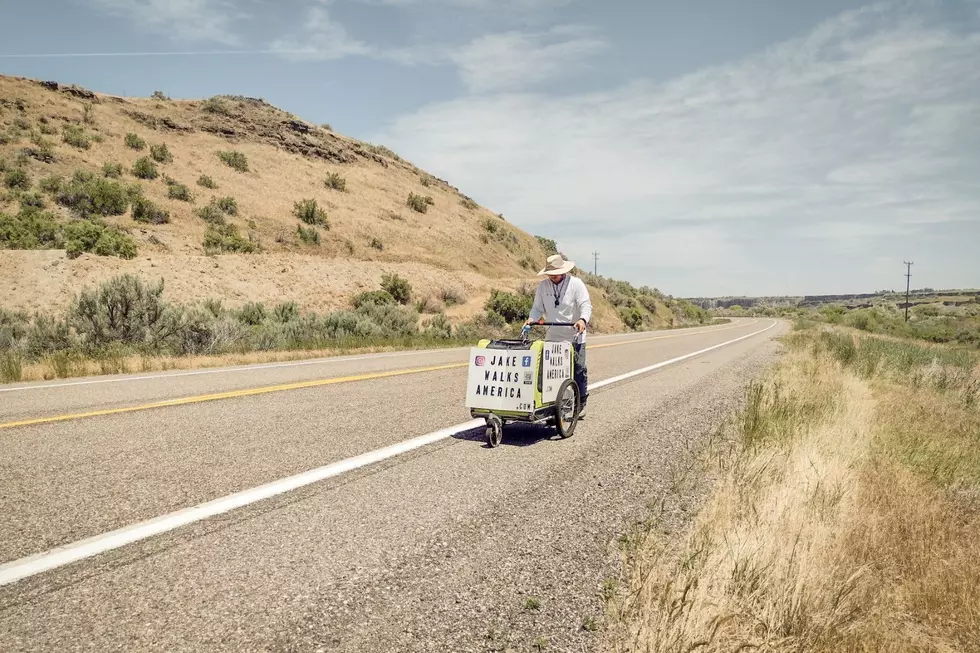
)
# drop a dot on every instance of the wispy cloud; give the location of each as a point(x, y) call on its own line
point(871, 119)
point(515, 60)
point(184, 20)
point(322, 38)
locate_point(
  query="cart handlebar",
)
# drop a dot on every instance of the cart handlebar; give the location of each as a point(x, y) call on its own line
point(527, 327)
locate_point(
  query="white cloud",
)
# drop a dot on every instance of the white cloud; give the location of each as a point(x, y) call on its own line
point(870, 119)
point(321, 38)
point(187, 20)
point(514, 60)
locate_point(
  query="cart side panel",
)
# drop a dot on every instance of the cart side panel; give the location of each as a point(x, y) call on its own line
point(500, 380)
point(556, 367)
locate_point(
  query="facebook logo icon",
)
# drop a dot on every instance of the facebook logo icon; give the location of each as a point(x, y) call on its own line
point(526, 362)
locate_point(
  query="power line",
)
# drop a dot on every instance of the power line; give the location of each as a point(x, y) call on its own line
point(908, 282)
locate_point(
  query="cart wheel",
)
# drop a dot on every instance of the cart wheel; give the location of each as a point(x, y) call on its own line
point(567, 408)
point(495, 431)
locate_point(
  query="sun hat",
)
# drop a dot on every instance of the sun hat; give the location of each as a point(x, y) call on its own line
point(556, 265)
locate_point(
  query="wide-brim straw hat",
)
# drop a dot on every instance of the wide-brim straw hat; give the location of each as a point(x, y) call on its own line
point(556, 265)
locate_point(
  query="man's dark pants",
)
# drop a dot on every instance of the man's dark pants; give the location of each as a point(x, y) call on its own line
point(581, 372)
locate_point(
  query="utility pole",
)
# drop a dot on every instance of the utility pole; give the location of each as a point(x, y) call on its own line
point(595, 263)
point(908, 283)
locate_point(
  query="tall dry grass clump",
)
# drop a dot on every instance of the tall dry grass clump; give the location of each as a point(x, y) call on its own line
point(845, 517)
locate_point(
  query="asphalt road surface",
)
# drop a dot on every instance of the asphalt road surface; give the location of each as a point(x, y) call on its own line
point(431, 546)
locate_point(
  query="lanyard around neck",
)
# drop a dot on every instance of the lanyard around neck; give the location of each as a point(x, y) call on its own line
point(558, 294)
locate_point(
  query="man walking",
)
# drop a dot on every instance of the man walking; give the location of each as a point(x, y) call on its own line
point(564, 298)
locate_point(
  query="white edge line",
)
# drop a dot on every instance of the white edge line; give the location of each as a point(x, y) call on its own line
point(300, 363)
point(16, 570)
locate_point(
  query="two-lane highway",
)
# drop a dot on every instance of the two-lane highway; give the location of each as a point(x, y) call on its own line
point(82, 461)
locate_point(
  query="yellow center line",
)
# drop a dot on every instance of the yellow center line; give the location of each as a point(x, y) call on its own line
point(233, 394)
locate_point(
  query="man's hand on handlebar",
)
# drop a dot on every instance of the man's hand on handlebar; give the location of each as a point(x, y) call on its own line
point(580, 326)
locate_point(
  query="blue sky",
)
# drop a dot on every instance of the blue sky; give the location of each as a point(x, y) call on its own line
point(706, 147)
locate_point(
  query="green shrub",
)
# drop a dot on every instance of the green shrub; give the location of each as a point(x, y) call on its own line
point(438, 327)
point(225, 238)
point(308, 212)
point(492, 226)
point(425, 181)
point(135, 142)
point(147, 212)
point(112, 170)
point(452, 296)
point(308, 235)
point(419, 203)
point(122, 310)
point(51, 185)
point(144, 168)
point(227, 205)
point(399, 288)
point(11, 369)
point(235, 160)
point(75, 136)
point(252, 313)
point(17, 178)
point(87, 236)
point(30, 229)
point(286, 312)
point(548, 245)
point(511, 307)
point(632, 318)
point(372, 297)
point(216, 105)
point(161, 154)
point(205, 181)
point(87, 195)
point(179, 192)
point(31, 201)
point(336, 182)
point(469, 204)
point(211, 214)
point(42, 150)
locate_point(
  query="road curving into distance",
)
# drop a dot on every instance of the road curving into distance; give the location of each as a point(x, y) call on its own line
point(333, 504)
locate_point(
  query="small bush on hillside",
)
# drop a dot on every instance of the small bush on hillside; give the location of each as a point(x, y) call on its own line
point(51, 185)
point(31, 201)
point(42, 149)
point(308, 211)
point(648, 302)
point(30, 229)
point(147, 212)
point(112, 170)
point(452, 296)
point(425, 181)
point(227, 205)
point(398, 287)
point(216, 105)
point(211, 214)
point(419, 203)
point(86, 236)
point(225, 238)
point(336, 182)
point(491, 226)
point(179, 192)
point(469, 204)
point(375, 243)
point(372, 297)
point(135, 142)
point(438, 327)
point(512, 307)
point(122, 310)
point(235, 160)
point(206, 182)
point(144, 168)
point(17, 178)
point(548, 245)
point(75, 136)
point(286, 312)
point(88, 114)
point(632, 318)
point(308, 235)
point(252, 313)
point(87, 195)
point(161, 154)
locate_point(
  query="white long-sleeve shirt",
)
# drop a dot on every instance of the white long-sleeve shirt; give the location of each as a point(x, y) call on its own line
point(574, 304)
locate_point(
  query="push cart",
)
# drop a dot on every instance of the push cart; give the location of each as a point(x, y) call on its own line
point(524, 380)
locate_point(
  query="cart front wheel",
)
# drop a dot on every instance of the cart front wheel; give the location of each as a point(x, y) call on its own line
point(495, 431)
point(567, 408)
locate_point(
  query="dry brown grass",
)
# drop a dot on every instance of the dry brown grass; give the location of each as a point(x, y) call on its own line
point(445, 242)
point(846, 519)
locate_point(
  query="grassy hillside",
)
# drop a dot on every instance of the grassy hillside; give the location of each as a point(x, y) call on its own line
point(234, 227)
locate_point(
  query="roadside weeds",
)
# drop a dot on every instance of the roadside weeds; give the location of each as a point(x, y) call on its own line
point(844, 515)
